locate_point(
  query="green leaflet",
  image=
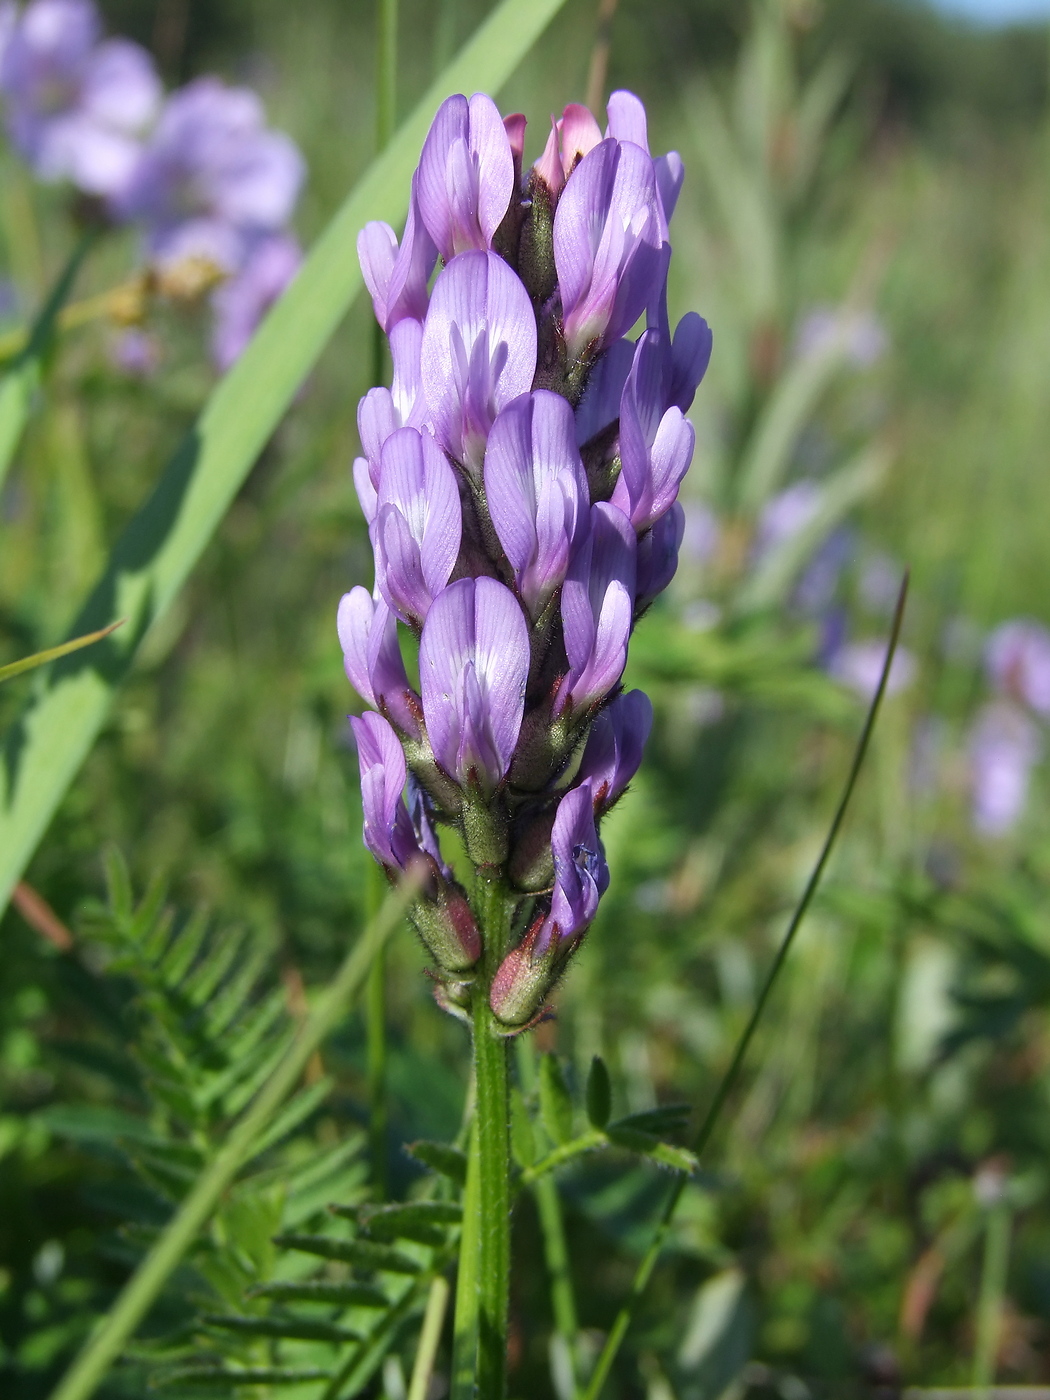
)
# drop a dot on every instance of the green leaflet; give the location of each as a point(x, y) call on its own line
point(163, 542)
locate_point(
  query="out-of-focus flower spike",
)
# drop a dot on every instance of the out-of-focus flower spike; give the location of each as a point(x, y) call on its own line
point(536, 491)
point(1017, 662)
point(607, 245)
point(658, 552)
point(478, 352)
point(372, 658)
point(418, 524)
point(1004, 746)
point(473, 666)
point(241, 301)
point(397, 275)
point(466, 175)
point(597, 605)
point(614, 749)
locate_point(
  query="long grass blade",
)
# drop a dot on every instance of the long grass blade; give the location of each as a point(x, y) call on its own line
point(103, 1348)
point(703, 1137)
point(41, 658)
point(163, 542)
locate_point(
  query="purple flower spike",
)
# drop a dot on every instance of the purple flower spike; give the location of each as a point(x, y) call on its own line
point(466, 175)
point(537, 491)
point(614, 748)
point(1004, 746)
point(241, 301)
point(473, 665)
point(397, 277)
point(597, 603)
point(372, 658)
point(388, 829)
point(478, 352)
point(608, 245)
point(75, 107)
point(656, 446)
point(418, 525)
point(658, 556)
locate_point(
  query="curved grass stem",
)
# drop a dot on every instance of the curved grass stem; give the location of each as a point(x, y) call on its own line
point(641, 1279)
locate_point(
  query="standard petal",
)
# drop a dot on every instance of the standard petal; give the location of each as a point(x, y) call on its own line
point(502, 652)
point(354, 625)
point(376, 252)
point(627, 120)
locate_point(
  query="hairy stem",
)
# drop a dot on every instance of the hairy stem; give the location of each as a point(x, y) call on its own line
point(492, 1129)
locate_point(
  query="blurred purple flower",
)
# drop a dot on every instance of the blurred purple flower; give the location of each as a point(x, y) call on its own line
point(702, 532)
point(1017, 661)
point(1004, 746)
point(212, 178)
point(241, 301)
point(861, 334)
point(75, 104)
point(786, 514)
point(858, 665)
point(136, 353)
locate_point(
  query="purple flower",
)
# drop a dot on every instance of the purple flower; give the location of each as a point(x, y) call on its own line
point(418, 524)
point(1017, 660)
point(1004, 746)
point(75, 106)
point(243, 300)
point(609, 248)
point(382, 411)
point(656, 442)
point(478, 352)
point(212, 177)
point(657, 560)
point(600, 406)
point(573, 134)
point(466, 175)
point(473, 665)
point(581, 877)
point(372, 658)
point(136, 353)
point(536, 491)
point(614, 748)
point(397, 277)
point(597, 603)
point(388, 829)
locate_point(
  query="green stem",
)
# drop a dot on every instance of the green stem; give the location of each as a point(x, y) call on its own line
point(552, 1226)
point(641, 1279)
point(375, 1022)
point(990, 1303)
point(493, 1133)
point(138, 1295)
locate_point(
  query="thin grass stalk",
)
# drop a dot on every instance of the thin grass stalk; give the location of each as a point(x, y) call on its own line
point(994, 1269)
point(641, 1279)
point(429, 1339)
point(552, 1228)
point(465, 1322)
point(375, 1036)
point(90, 1367)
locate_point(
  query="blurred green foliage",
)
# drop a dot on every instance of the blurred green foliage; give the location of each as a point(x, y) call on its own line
point(896, 1099)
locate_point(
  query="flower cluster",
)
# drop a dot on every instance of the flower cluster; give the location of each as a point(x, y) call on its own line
point(198, 172)
point(520, 482)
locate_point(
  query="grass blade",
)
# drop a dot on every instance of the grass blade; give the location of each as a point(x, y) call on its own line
point(41, 658)
point(641, 1279)
point(161, 545)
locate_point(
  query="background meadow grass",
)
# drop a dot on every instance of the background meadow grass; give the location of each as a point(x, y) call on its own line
point(894, 1114)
